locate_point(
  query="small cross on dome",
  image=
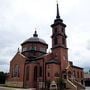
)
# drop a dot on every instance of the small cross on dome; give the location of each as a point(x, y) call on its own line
point(35, 33)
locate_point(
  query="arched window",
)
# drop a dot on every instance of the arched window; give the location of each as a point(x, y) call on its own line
point(24, 49)
point(55, 41)
point(48, 74)
point(35, 73)
point(63, 40)
point(43, 49)
point(62, 30)
point(56, 74)
point(55, 30)
point(27, 73)
point(16, 71)
point(48, 66)
point(12, 72)
point(40, 71)
point(33, 47)
point(77, 74)
point(81, 74)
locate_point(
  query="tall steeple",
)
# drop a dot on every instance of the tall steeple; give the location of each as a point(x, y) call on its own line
point(57, 16)
point(59, 40)
point(58, 31)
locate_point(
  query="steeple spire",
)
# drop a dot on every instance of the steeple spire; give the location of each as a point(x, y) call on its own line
point(58, 19)
point(57, 16)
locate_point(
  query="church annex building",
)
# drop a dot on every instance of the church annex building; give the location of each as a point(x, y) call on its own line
point(33, 66)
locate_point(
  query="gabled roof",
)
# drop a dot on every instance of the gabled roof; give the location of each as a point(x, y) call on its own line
point(18, 54)
point(77, 67)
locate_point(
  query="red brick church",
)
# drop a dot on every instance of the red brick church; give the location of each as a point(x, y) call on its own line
point(33, 65)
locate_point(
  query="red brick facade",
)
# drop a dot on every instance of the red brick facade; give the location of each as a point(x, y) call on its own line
point(33, 64)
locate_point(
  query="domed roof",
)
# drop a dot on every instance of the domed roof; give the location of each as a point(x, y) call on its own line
point(34, 39)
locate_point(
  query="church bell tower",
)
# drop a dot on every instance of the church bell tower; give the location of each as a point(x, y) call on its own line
point(58, 32)
point(59, 45)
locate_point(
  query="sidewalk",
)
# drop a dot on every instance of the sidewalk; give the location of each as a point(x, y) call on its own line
point(9, 88)
point(3, 87)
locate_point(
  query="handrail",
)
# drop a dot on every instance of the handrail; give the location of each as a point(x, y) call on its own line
point(72, 84)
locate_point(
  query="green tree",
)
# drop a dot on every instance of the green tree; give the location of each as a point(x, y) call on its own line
point(60, 83)
point(2, 77)
point(47, 84)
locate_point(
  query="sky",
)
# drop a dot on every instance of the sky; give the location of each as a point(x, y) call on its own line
point(20, 18)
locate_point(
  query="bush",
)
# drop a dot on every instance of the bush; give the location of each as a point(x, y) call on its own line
point(2, 77)
point(47, 84)
point(60, 83)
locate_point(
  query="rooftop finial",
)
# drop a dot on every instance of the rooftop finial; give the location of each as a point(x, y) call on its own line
point(18, 50)
point(58, 16)
point(35, 33)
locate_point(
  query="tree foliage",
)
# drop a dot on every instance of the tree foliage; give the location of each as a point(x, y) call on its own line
point(2, 77)
point(60, 83)
point(47, 82)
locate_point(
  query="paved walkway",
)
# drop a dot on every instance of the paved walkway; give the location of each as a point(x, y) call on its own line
point(8, 88)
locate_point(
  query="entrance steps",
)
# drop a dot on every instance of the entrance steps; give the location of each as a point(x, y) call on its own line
point(73, 85)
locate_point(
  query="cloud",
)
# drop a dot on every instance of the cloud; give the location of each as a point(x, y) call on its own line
point(3, 62)
point(88, 45)
point(4, 68)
